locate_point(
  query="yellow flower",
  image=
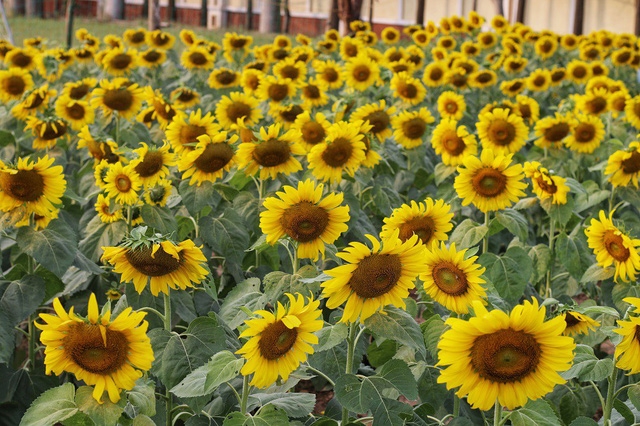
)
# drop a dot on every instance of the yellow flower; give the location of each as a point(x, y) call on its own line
point(77, 112)
point(512, 87)
point(14, 82)
point(594, 102)
point(410, 127)
point(528, 109)
point(182, 133)
point(280, 341)
point(342, 150)
point(329, 74)
point(34, 101)
point(104, 208)
point(361, 72)
point(378, 115)
point(152, 58)
point(546, 185)
point(103, 150)
point(184, 98)
point(502, 132)
point(578, 323)
point(275, 90)
point(119, 62)
point(546, 46)
point(153, 164)
point(578, 71)
point(551, 131)
point(508, 358)
point(122, 183)
point(79, 89)
point(435, 74)
point(159, 194)
point(45, 132)
point(453, 142)
point(223, 78)
point(587, 135)
point(390, 35)
point(613, 247)
point(135, 37)
point(209, 160)
point(429, 220)
point(451, 105)
point(627, 352)
point(119, 96)
point(291, 69)
point(539, 80)
point(197, 58)
point(306, 217)
point(25, 59)
point(109, 354)
point(624, 166)
point(160, 39)
point(407, 88)
point(631, 111)
point(312, 94)
point(373, 278)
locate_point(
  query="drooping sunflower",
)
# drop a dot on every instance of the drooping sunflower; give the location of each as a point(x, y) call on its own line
point(79, 89)
point(451, 279)
point(489, 182)
point(451, 105)
point(152, 164)
point(272, 153)
point(100, 150)
point(627, 352)
point(306, 217)
point(77, 112)
point(378, 115)
point(614, 247)
point(182, 133)
point(361, 72)
point(122, 183)
point(429, 220)
point(508, 358)
point(14, 82)
point(119, 62)
point(280, 341)
point(109, 354)
point(453, 142)
point(578, 323)
point(162, 109)
point(410, 127)
point(373, 278)
point(105, 209)
point(46, 132)
point(546, 185)
point(34, 101)
point(118, 96)
point(312, 130)
point(38, 186)
point(163, 264)
point(552, 130)
point(624, 166)
point(587, 135)
point(159, 194)
point(342, 150)
point(209, 160)
point(502, 132)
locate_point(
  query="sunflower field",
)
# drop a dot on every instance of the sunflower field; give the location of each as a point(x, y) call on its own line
point(434, 226)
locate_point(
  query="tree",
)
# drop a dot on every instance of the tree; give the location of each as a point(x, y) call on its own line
point(349, 11)
point(334, 16)
point(420, 12)
point(270, 16)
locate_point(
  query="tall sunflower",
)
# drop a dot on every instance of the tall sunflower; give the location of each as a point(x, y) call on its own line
point(209, 160)
point(122, 183)
point(160, 263)
point(313, 94)
point(342, 150)
point(624, 166)
point(276, 90)
point(280, 341)
point(501, 131)
point(152, 164)
point(329, 73)
point(14, 82)
point(509, 358)
point(453, 142)
point(451, 279)
point(410, 128)
point(378, 115)
point(109, 354)
point(182, 133)
point(587, 135)
point(306, 217)
point(374, 278)
point(38, 186)
point(627, 352)
point(119, 62)
point(429, 220)
point(489, 182)
point(119, 96)
point(614, 247)
point(546, 185)
point(272, 153)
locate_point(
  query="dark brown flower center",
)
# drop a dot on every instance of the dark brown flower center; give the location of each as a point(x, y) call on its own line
point(623, 57)
point(118, 99)
point(489, 182)
point(584, 133)
point(436, 74)
point(596, 105)
point(304, 221)
point(186, 95)
point(618, 103)
point(376, 275)
point(276, 340)
point(557, 132)
point(15, 85)
point(121, 61)
point(75, 111)
point(24, 185)
point(34, 101)
point(272, 153)
point(290, 114)
point(330, 75)
point(452, 143)
point(548, 187)
point(189, 134)
point(557, 75)
point(239, 42)
point(539, 81)
point(338, 152)
point(451, 106)
point(226, 77)
point(484, 77)
point(313, 132)
point(152, 56)
point(450, 279)
point(351, 50)
point(161, 263)
point(579, 72)
point(85, 345)
point(161, 39)
point(290, 71)
point(505, 356)
point(238, 110)
point(52, 130)
point(379, 120)
point(21, 60)
point(414, 128)
point(361, 73)
point(407, 90)
point(278, 92)
point(137, 37)
point(501, 132)
point(422, 226)
point(123, 183)
point(632, 164)
point(311, 91)
point(197, 58)
point(214, 157)
point(79, 92)
point(164, 110)
point(150, 165)
point(571, 320)
point(615, 246)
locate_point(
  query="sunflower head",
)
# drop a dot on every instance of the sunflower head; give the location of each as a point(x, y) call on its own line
point(578, 323)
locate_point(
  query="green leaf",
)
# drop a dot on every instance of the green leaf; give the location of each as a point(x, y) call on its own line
point(537, 412)
point(541, 257)
point(223, 367)
point(143, 398)
point(195, 197)
point(634, 395)
point(568, 253)
point(294, 404)
point(587, 367)
point(560, 213)
point(468, 233)
point(596, 272)
point(54, 247)
point(6, 138)
point(380, 353)
point(515, 222)
point(226, 235)
point(103, 414)
point(54, 405)
point(625, 411)
point(583, 421)
point(397, 325)
point(397, 373)
point(509, 273)
point(330, 336)
point(268, 416)
point(182, 303)
point(247, 294)
point(142, 420)
point(432, 329)
point(22, 297)
point(442, 172)
point(98, 235)
point(159, 218)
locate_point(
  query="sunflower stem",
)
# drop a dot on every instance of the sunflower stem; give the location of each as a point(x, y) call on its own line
point(245, 394)
point(608, 406)
point(167, 327)
point(321, 374)
point(456, 405)
point(611, 198)
point(129, 217)
point(485, 240)
point(118, 129)
point(32, 342)
point(351, 347)
point(552, 231)
point(497, 413)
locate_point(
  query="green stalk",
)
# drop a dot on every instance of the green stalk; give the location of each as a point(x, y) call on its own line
point(245, 394)
point(608, 406)
point(167, 326)
point(497, 413)
point(456, 405)
point(32, 342)
point(351, 348)
point(552, 231)
point(485, 240)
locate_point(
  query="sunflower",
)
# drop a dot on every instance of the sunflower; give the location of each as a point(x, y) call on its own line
point(342, 150)
point(390, 35)
point(361, 72)
point(371, 156)
point(37, 186)
point(119, 62)
point(289, 68)
point(272, 153)
point(135, 37)
point(329, 74)
point(152, 58)
point(159, 194)
point(286, 114)
point(617, 102)
point(122, 183)
point(238, 106)
point(26, 59)
point(104, 208)
point(509, 358)
point(578, 71)
point(236, 46)
point(109, 354)
point(512, 87)
point(631, 110)
point(421, 38)
point(306, 217)
point(100, 150)
point(453, 142)
point(502, 132)
point(276, 90)
point(546, 46)
point(378, 115)
point(152, 165)
point(209, 160)
point(312, 130)
point(624, 166)
point(162, 264)
point(539, 80)
point(429, 220)
point(184, 98)
point(182, 133)
point(613, 247)
point(280, 341)
point(551, 131)
point(373, 278)
point(410, 127)
point(14, 82)
point(546, 185)
point(482, 79)
point(119, 96)
point(79, 89)
point(451, 279)
point(594, 102)
point(34, 101)
point(489, 182)
point(407, 88)
point(77, 113)
point(587, 135)
point(188, 37)
point(569, 41)
point(197, 58)
point(451, 105)
point(160, 39)
point(621, 57)
point(250, 80)
point(578, 323)
point(558, 75)
point(223, 78)
point(46, 132)
point(627, 351)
